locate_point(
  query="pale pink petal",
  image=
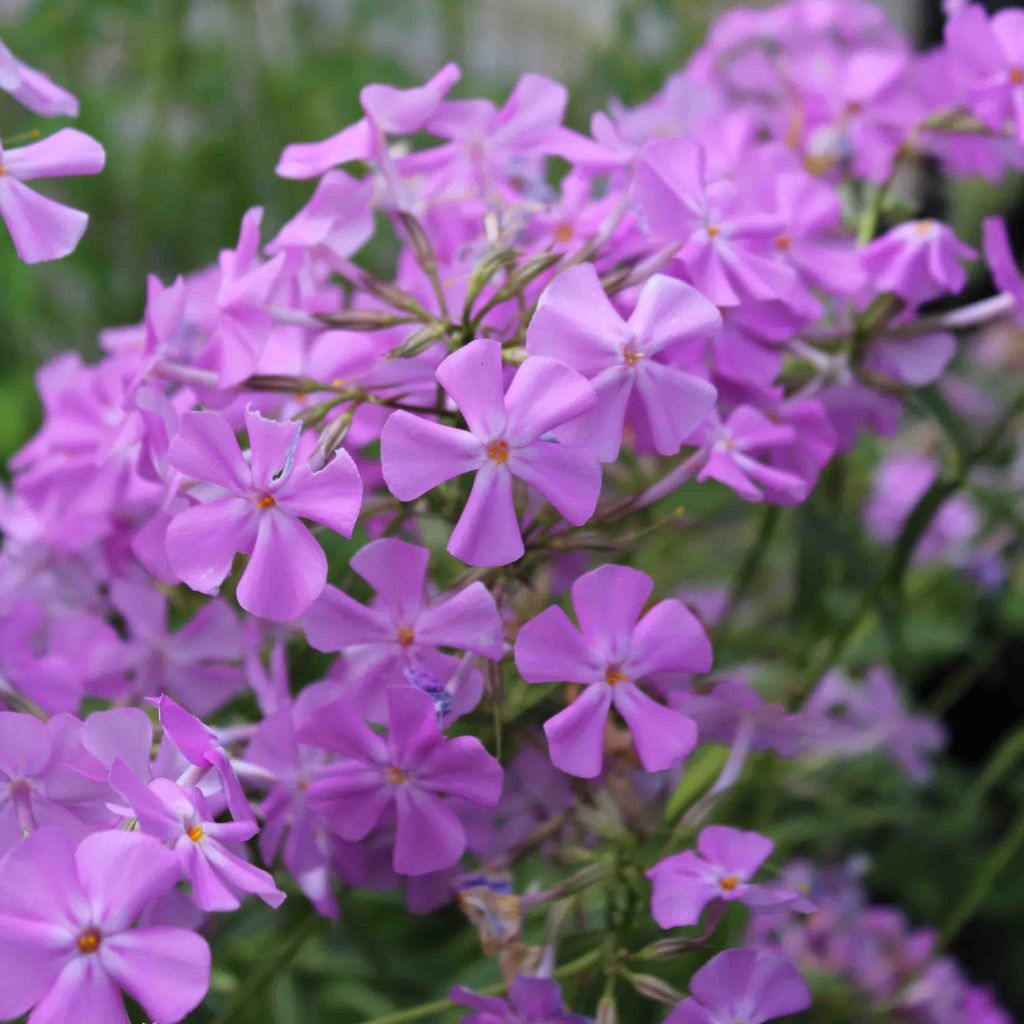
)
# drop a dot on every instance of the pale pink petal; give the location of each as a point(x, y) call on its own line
point(487, 532)
point(468, 621)
point(205, 449)
point(569, 476)
point(472, 377)
point(544, 394)
point(330, 496)
point(662, 737)
point(733, 849)
point(64, 154)
point(40, 228)
point(549, 649)
point(83, 992)
point(576, 735)
point(668, 311)
point(608, 602)
point(675, 404)
point(311, 159)
point(428, 835)
point(669, 638)
point(271, 448)
point(418, 454)
point(202, 541)
point(336, 621)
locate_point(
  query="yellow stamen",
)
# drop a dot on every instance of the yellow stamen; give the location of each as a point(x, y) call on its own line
point(3, 170)
point(337, 382)
point(266, 501)
point(1016, 76)
point(405, 635)
point(714, 231)
point(631, 356)
point(613, 674)
point(783, 243)
point(729, 882)
point(497, 452)
point(395, 776)
point(195, 833)
point(89, 941)
point(924, 227)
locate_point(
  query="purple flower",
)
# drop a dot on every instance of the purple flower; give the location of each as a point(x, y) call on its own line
point(67, 945)
point(727, 250)
point(989, 56)
point(40, 228)
point(743, 986)
point(389, 111)
point(39, 781)
point(577, 323)
point(402, 629)
point(1001, 262)
point(34, 90)
point(853, 718)
point(406, 773)
point(919, 261)
point(530, 1001)
point(242, 323)
point(199, 664)
point(504, 441)
point(613, 650)
point(180, 817)
point(254, 507)
point(687, 882)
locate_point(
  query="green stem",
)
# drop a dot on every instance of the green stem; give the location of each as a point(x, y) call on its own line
point(985, 878)
point(747, 572)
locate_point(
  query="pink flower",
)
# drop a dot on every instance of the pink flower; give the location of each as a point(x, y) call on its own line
point(1002, 264)
point(989, 56)
point(614, 650)
point(743, 986)
point(687, 882)
point(530, 1001)
point(406, 773)
point(180, 817)
point(919, 261)
point(576, 322)
point(389, 111)
point(34, 90)
point(242, 323)
point(255, 507)
point(402, 630)
point(40, 228)
point(504, 441)
point(67, 945)
point(727, 249)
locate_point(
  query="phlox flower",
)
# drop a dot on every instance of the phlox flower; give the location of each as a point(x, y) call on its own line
point(722, 869)
point(1002, 264)
point(743, 986)
point(255, 507)
point(407, 772)
point(40, 228)
point(576, 322)
point(614, 649)
point(402, 629)
point(918, 260)
point(180, 817)
point(67, 945)
point(505, 440)
point(530, 1001)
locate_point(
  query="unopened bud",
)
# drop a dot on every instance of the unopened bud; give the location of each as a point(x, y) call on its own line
point(519, 278)
point(607, 1012)
point(419, 241)
point(655, 988)
point(484, 271)
point(284, 383)
point(419, 341)
point(334, 434)
point(393, 296)
point(361, 319)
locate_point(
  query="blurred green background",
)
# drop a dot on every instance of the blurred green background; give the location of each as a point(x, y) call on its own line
point(194, 100)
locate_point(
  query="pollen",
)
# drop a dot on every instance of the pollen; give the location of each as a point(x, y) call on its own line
point(714, 231)
point(613, 674)
point(395, 776)
point(89, 941)
point(3, 170)
point(632, 356)
point(497, 452)
point(267, 501)
point(924, 228)
point(783, 243)
point(195, 833)
point(405, 635)
point(1016, 78)
point(728, 883)
point(563, 234)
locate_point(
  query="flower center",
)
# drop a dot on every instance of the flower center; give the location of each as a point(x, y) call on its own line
point(497, 452)
point(631, 355)
point(729, 882)
point(1016, 78)
point(783, 243)
point(613, 674)
point(405, 635)
point(714, 231)
point(854, 107)
point(924, 228)
point(563, 234)
point(267, 501)
point(195, 833)
point(396, 776)
point(89, 941)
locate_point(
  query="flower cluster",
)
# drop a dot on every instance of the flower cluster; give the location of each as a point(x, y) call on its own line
point(290, 564)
